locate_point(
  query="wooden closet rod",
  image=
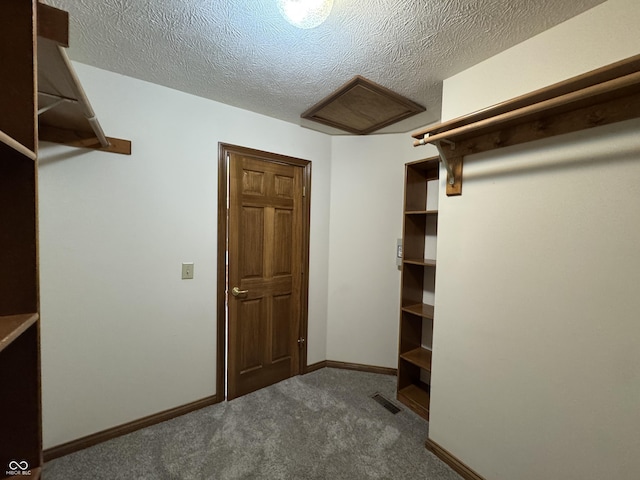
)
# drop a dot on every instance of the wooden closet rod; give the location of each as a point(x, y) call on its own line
point(603, 91)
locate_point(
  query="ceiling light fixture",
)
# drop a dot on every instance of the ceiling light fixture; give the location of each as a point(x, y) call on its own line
point(305, 13)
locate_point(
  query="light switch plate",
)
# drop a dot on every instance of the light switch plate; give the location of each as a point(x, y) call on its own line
point(187, 271)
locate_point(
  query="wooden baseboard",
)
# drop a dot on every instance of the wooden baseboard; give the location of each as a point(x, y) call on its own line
point(361, 368)
point(446, 456)
point(94, 439)
point(350, 366)
point(315, 366)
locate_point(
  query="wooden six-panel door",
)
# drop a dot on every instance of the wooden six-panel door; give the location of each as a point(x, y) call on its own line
point(265, 272)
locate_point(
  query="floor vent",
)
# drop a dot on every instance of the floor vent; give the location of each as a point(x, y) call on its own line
point(386, 403)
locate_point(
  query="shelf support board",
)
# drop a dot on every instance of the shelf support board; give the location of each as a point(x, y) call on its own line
point(74, 138)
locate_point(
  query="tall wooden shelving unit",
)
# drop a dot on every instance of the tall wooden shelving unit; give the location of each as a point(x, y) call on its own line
point(20, 410)
point(418, 282)
point(40, 99)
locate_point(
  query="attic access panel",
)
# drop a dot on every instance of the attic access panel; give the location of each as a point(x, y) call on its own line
point(361, 106)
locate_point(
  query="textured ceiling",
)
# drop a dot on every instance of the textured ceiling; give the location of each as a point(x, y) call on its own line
point(243, 53)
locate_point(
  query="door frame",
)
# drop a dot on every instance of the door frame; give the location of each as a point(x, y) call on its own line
point(223, 233)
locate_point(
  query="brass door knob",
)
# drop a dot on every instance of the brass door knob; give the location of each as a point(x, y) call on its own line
point(235, 291)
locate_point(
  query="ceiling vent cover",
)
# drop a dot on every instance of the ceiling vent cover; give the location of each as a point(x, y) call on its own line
point(361, 106)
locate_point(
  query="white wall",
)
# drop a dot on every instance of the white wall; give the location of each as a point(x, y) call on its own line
point(367, 178)
point(122, 335)
point(600, 36)
point(536, 334)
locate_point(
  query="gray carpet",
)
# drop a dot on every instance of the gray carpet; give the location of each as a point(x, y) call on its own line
point(323, 425)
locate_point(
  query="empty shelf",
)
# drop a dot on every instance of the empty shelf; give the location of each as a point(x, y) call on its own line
point(422, 310)
point(416, 398)
point(420, 357)
point(427, 262)
point(12, 326)
point(421, 212)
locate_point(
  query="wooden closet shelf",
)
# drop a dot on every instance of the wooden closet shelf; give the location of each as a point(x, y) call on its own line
point(599, 93)
point(65, 114)
point(10, 142)
point(426, 262)
point(421, 212)
point(12, 326)
point(608, 72)
point(417, 398)
point(600, 97)
point(422, 310)
point(420, 357)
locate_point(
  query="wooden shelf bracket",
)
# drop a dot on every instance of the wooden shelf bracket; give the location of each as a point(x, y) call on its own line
point(452, 164)
point(443, 156)
point(451, 179)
